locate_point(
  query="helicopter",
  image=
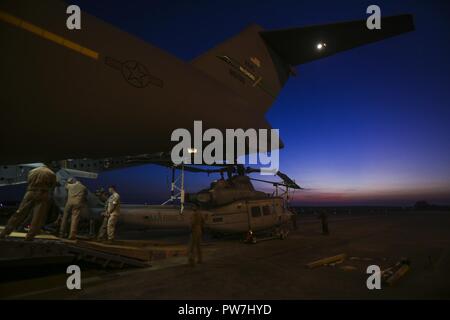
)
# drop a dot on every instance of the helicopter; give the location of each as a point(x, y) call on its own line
point(231, 204)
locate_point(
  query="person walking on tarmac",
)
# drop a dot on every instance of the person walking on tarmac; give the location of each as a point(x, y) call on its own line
point(76, 203)
point(111, 215)
point(36, 201)
point(195, 250)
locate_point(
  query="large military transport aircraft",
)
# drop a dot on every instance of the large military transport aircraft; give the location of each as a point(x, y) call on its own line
point(128, 95)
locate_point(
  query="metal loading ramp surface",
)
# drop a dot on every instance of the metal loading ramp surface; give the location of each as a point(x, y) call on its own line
point(137, 249)
point(15, 252)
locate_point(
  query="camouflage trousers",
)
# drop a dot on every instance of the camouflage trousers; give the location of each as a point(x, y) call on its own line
point(73, 209)
point(108, 227)
point(195, 250)
point(36, 202)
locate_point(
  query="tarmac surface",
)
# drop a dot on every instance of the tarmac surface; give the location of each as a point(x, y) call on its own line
point(276, 269)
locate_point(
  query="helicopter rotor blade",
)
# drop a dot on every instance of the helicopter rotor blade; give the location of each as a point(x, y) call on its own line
point(291, 183)
point(227, 168)
point(274, 183)
point(288, 182)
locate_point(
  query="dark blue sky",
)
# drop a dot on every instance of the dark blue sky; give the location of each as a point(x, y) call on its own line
point(367, 126)
point(370, 125)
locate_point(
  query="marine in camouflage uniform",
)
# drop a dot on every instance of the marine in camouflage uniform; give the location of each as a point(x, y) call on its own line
point(195, 250)
point(76, 203)
point(36, 201)
point(111, 216)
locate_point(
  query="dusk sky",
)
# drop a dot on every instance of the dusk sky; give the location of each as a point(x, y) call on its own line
point(366, 126)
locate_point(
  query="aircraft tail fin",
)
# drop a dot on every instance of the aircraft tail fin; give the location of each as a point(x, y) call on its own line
point(301, 45)
point(256, 63)
point(246, 65)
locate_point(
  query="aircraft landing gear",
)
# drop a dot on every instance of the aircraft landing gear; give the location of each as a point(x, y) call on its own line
point(250, 237)
point(281, 233)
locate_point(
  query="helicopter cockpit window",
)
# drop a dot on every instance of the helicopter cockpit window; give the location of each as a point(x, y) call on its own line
point(266, 210)
point(256, 212)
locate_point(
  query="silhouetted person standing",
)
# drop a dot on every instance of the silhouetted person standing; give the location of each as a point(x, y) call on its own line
point(324, 219)
point(195, 250)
